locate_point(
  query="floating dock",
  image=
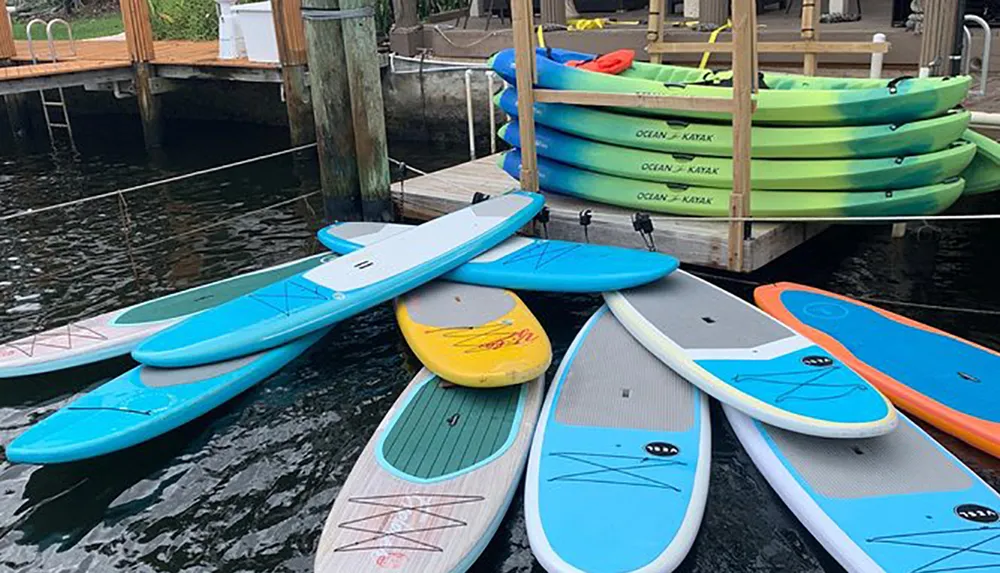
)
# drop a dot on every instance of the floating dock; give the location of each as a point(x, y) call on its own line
point(692, 241)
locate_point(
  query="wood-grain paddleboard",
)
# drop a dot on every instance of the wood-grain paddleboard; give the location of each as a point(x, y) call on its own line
point(433, 483)
point(475, 336)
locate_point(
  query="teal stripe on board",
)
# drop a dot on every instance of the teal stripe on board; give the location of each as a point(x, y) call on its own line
point(445, 429)
point(211, 295)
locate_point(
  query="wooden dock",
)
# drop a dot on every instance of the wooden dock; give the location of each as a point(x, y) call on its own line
point(692, 241)
point(104, 61)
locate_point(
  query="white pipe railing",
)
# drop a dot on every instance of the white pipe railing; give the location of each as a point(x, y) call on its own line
point(987, 45)
point(468, 112)
point(493, 111)
point(875, 71)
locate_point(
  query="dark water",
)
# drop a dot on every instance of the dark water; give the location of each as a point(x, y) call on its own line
point(247, 487)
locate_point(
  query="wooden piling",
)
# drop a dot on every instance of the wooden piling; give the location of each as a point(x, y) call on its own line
point(938, 39)
point(7, 48)
point(743, 82)
point(654, 28)
point(290, 35)
point(810, 33)
point(367, 110)
point(139, 40)
point(522, 18)
point(554, 12)
point(16, 105)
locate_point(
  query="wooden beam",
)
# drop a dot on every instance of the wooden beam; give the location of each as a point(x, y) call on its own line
point(654, 30)
point(289, 31)
point(290, 34)
point(644, 101)
point(7, 48)
point(773, 47)
point(522, 18)
point(810, 33)
point(743, 81)
point(138, 30)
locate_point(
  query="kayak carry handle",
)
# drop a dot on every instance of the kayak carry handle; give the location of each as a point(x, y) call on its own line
point(682, 156)
point(678, 186)
point(586, 216)
point(895, 82)
point(677, 123)
point(674, 85)
point(479, 197)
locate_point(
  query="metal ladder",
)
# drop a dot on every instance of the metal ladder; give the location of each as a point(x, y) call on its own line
point(58, 99)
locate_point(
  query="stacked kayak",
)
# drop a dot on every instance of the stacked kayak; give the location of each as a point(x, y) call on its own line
point(821, 147)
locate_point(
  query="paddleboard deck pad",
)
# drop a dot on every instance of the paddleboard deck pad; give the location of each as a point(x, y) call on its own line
point(619, 466)
point(527, 264)
point(339, 289)
point(743, 357)
point(474, 336)
point(431, 487)
point(117, 333)
point(942, 379)
point(144, 403)
point(898, 503)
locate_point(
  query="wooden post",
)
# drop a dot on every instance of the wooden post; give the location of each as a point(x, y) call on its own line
point(712, 13)
point(17, 105)
point(524, 65)
point(290, 34)
point(139, 40)
point(810, 33)
point(554, 12)
point(743, 81)
point(331, 98)
point(367, 110)
point(654, 29)
point(405, 13)
point(7, 48)
point(938, 39)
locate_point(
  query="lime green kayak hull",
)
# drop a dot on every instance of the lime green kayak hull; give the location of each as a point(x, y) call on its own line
point(874, 174)
point(646, 196)
point(716, 139)
point(784, 99)
point(983, 173)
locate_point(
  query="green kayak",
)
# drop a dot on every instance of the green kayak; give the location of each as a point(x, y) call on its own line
point(716, 139)
point(983, 174)
point(784, 99)
point(876, 174)
point(559, 178)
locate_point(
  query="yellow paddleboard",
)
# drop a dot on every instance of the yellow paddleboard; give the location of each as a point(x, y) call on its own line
point(473, 336)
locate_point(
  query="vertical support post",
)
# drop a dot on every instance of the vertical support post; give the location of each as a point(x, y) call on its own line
point(7, 48)
point(712, 13)
point(290, 34)
point(810, 32)
point(331, 97)
point(554, 12)
point(367, 110)
point(139, 41)
point(743, 81)
point(524, 66)
point(15, 104)
point(938, 39)
point(875, 70)
point(405, 13)
point(654, 28)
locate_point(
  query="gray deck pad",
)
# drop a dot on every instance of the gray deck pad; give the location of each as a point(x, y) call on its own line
point(695, 314)
point(614, 382)
point(442, 304)
point(900, 462)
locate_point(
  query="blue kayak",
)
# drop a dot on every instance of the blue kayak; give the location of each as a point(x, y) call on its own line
point(144, 403)
point(339, 289)
point(527, 264)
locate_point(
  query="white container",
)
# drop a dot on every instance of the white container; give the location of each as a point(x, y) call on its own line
point(257, 27)
point(228, 30)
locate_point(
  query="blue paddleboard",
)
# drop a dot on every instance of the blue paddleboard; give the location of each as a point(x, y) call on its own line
point(527, 264)
point(898, 503)
point(144, 403)
point(619, 465)
point(339, 289)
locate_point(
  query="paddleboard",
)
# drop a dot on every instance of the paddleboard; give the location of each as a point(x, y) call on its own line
point(527, 264)
point(474, 336)
point(118, 332)
point(618, 472)
point(431, 487)
point(742, 357)
point(144, 403)
point(898, 503)
point(938, 377)
point(339, 289)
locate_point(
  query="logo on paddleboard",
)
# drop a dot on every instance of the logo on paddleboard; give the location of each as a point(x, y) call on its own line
point(817, 361)
point(662, 449)
point(977, 513)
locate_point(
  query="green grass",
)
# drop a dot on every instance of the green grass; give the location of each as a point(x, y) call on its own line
point(84, 27)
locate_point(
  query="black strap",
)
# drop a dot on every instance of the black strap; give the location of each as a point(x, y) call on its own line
point(586, 216)
point(543, 217)
point(644, 226)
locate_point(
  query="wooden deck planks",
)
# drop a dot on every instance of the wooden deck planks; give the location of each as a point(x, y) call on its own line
point(692, 241)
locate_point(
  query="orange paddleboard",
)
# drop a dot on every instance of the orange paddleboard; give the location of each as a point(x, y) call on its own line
point(940, 378)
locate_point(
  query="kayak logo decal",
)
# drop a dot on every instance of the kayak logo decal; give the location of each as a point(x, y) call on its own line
point(671, 136)
point(671, 168)
point(668, 198)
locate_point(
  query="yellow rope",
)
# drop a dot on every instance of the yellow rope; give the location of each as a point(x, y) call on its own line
point(711, 40)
